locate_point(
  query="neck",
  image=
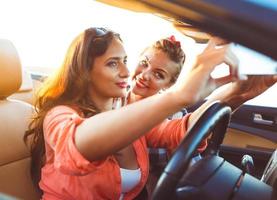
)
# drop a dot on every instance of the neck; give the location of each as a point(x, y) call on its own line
point(102, 103)
point(134, 97)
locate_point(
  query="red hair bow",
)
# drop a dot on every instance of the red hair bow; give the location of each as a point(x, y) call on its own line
point(173, 40)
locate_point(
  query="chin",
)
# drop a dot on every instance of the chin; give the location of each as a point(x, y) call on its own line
point(120, 94)
point(139, 92)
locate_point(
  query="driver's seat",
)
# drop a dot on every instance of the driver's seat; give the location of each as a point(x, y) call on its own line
point(15, 115)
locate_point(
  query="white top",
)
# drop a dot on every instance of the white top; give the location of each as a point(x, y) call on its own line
point(129, 179)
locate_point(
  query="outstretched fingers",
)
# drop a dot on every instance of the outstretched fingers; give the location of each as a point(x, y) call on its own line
point(214, 42)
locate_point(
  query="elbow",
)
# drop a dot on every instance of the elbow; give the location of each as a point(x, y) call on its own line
point(88, 148)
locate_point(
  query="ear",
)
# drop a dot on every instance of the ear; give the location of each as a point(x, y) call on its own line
point(172, 82)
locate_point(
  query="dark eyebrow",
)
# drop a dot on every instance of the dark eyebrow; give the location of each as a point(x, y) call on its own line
point(116, 58)
point(161, 70)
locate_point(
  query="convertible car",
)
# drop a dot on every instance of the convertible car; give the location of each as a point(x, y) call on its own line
point(240, 162)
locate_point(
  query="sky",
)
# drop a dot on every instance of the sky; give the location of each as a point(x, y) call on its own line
point(42, 30)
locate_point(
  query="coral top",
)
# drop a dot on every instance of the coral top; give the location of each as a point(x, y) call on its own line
point(68, 175)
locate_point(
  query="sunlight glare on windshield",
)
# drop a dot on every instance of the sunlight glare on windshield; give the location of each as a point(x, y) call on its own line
point(42, 29)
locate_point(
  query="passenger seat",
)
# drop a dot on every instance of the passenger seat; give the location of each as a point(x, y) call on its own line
point(15, 116)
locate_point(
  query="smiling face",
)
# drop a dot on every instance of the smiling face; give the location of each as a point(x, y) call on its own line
point(155, 71)
point(109, 73)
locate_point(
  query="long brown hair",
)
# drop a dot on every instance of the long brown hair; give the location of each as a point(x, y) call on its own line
point(69, 86)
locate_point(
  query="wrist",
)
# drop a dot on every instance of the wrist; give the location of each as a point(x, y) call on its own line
point(230, 97)
point(234, 101)
point(180, 99)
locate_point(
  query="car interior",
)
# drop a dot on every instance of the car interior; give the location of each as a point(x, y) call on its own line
point(241, 156)
point(15, 116)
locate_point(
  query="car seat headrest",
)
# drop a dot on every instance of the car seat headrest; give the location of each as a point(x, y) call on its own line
point(10, 69)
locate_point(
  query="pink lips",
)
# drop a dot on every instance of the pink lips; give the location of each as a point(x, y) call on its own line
point(140, 84)
point(122, 84)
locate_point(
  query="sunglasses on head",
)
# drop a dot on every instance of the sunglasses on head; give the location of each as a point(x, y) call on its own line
point(100, 31)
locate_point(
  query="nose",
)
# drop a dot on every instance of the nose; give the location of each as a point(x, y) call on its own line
point(124, 71)
point(145, 74)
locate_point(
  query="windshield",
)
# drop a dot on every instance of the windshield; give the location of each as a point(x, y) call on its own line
point(42, 30)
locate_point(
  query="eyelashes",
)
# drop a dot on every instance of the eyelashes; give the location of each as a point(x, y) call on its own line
point(156, 74)
point(116, 63)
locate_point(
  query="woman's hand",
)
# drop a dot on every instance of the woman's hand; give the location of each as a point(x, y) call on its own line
point(198, 83)
point(243, 90)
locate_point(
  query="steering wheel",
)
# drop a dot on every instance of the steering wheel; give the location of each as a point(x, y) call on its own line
point(212, 177)
point(180, 160)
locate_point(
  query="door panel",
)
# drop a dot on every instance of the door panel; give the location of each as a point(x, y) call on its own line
point(237, 138)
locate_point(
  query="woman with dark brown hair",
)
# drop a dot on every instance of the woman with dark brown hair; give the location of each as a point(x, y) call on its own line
point(84, 148)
